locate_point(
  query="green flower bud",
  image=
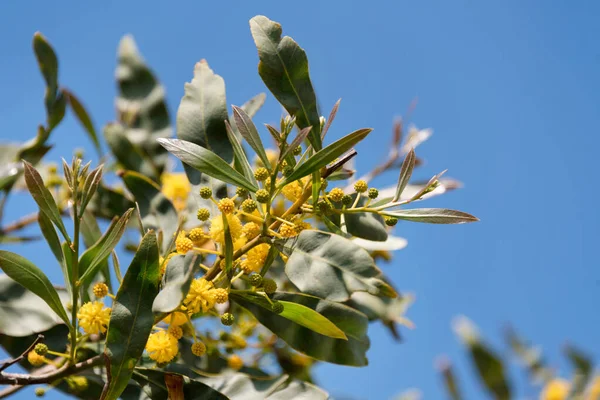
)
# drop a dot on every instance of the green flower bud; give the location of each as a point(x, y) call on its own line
point(40, 392)
point(227, 319)
point(287, 170)
point(249, 205)
point(373, 193)
point(241, 192)
point(347, 200)
point(390, 221)
point(262, 195)
point(277, 307)
point(261, 174)
point(205, 192)
point(203, 214)
point(297, 151)
point(41, 349)
point(255, 279)
point(269, 286)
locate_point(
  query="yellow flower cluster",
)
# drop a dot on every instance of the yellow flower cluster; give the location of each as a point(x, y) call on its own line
point(293, 191)
point(217, 231)
point(94, 317)
point(176, 187)
point(255, 258)
point(201, 296)
point(287, 230)
point(183, 244)
point(556, 389)
point(162, 347)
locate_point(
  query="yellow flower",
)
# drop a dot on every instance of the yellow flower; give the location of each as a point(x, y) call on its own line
point(336, 194)
point(226, 205)
point(235, 362)
point(217, 230)
point(251, 230)
point(175, 331)
point(93, 317)
point(239, 243)
point(176, 188)
point(556, 389)
point(200, 296)
point(255, 258)
point(183, 244)
point(35, 359)
point(196, 234)
point(77, 383)
point(100, 289)
point(162, 347)
point(221, 295)
point(293, 191)
point(175, 318)
point(287, 230)
point(198, 349)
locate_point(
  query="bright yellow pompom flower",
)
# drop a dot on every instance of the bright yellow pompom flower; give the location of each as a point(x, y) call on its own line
point(255, 258)
point(200, 297)
point(35, 359)
point(293, 191)
point(162, 347)
point(183, 244)
point(556, 389)
point(93, 317)
point(175, 318)
point(217, 230)
point(176, 188)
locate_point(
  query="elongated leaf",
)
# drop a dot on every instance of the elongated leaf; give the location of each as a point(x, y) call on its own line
point(488, 365)
point(449, 380)
point(405, 173)
point(248, 131)
point(583, 371)
point(530, 356)
point(332, 115)
point(202, 114)
point(332, 267)
point(22, 313)
point(206, 162)
point(367, 226)
point(141, 107)
point(48, 63)
point(32, 278)
point(178, 278)
point(131, 319)
point(339, 351)
point(252, 106)
point(240, 156)
point(84, 118)
point(93, 257)
point(128, 155)
point(298, 140)
point(299, 314)
point(54, 243)
point(43, 197)
point(432, 216)
point(90, 186)
point(327, 155)
point(283, 67)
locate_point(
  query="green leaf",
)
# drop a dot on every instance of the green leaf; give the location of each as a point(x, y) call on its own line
point(583, 371)
point(131, 319)
point(93, 258)
point(154, 386)
point(449, 380)
point(202, 114)
point(128, 155)
point(405, 173)
point(338, 351)
point(283, 67)
point(240, 156)
point(109, 202)
point(387, 310)
point(369, 226)
point(331, 118)
point(141, 107)
point(177, 280)
point(48, 63)
point(252, 106)
point(299, 314)
point(206, 162)
point(32, 278)
point(22, 312)
point(326, 155)
point(531, 357)
point(90, 186)
point(43, 197)
point(54, 243)
point(84, 118)
point(248, 131)
point(432, 216)
point(298, 140)
point(332, 267)
point(488, 365)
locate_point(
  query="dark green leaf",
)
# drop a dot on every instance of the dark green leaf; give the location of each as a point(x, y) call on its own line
point(32, 278)
point(141, 107)
point(53, 242)
point(488, 365)
point(368, 226)
point(432, 216)
point(84, 118)
point(43, 197)
point(326, 155)
point(299, 314)
point(405, 173)
point(48, 63)
point(338, 351)
point(178, 278)
point(23, 313)
point(298, 140)
point(128, 155)
point(91, 260)
point(206, 162)
point(248, 131)
point(583, 371)
point(332, 267)
point(89, 187)
point(283, 67)
point(109, 202)
point(240, 156)
point(131, 319)
point(153, 385)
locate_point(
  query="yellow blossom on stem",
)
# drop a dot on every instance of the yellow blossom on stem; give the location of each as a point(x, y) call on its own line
point(221, 295)
point(251, 230)
point(217, 229)
point(235, 362)
point(175, 331)
point(100, 289)
point(287, 230)
point(293, 191)
point(183, 244)
point(226, 206)
point(200, 297)
point(162, 347)
point(93, 317)
point(175, 318)
point(35, 359)
point(176, 187)
point(255, 258)
point(556, 389)
point(198, 349)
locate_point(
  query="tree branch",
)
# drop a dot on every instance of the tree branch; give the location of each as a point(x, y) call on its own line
point(8, 363)
point(32, 379)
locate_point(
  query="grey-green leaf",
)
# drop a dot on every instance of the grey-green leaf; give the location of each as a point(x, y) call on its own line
point(206, 162)
point(432, 216)
point(91, 260)
point(32, 278)
point(248, 131)
point(326, 155)
point(240, 156)
point(202, 114)
point(43, 197)
point(131, 318)
point(283, 67)
point(332, 267)
point(84, 118)
point(178, 278)
point(339, 351)
point(405, 173)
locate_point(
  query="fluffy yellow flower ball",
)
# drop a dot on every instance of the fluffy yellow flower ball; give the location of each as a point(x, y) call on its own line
point(217, 229)
point(176, 188)
point(255, 258)
point(200, 297)
point(93, 317)
point(162, 347)
point(556, 389)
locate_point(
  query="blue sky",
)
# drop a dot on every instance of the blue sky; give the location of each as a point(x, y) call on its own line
point(510, 89)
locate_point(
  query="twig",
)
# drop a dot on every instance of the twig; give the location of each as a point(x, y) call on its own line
point(8, 363)
point(32, 379)
point(20, 223)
